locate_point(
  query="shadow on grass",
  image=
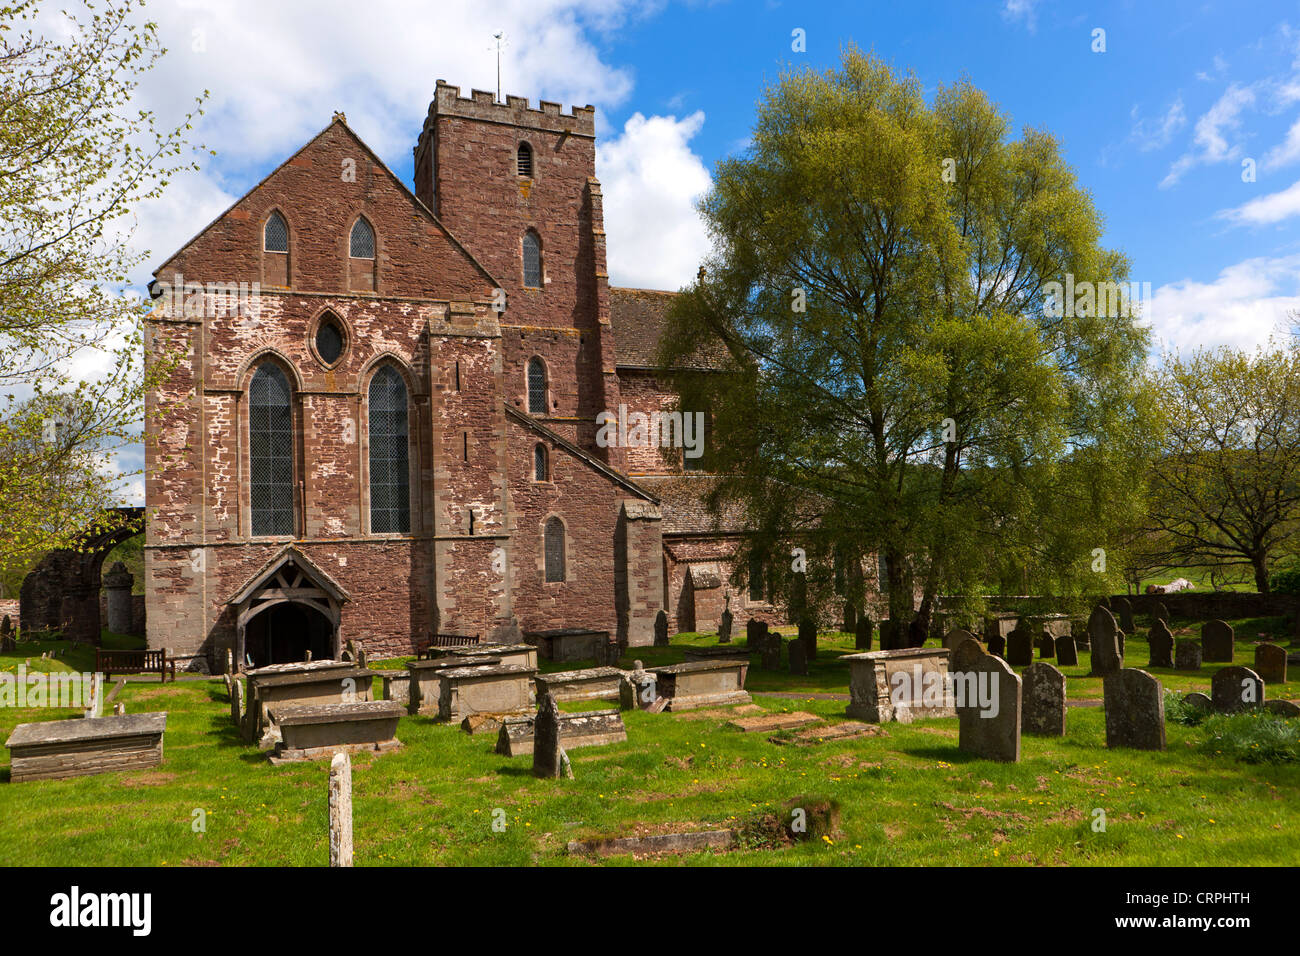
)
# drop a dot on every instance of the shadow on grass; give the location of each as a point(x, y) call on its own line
point(947, 754)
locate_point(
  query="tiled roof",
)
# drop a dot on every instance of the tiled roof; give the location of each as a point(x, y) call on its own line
point(681, 500)
point(637, 317)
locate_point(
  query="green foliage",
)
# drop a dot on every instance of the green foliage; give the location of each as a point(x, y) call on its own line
point(897, 381)
point(1285, 582)
point(1178, 711)
point(1253, 737)
point(78, 158)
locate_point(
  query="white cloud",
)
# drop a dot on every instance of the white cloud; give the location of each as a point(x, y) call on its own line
point(1013, 10)
point(1244, 305)
point(1286, 152)
point(1266, 210)
point(1212, 130)
point(650, 180)
point(1156, 134)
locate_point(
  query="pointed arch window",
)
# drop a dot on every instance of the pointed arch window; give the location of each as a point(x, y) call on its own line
point(390, 480)
point(362, 242)
point(524, 161)
point(554, 548)
point(275, 236)
point(532, 260)
point(540, 470)
point(536, 386)
point(270, 451)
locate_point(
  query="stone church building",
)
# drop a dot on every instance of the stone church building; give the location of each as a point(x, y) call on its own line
point(379, 417)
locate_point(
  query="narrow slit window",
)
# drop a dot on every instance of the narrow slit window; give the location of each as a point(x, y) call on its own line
point(532, 260)
point(524, 161)
point(554, 548)
point(536, 386)
point(539, 463)
point(270, 452)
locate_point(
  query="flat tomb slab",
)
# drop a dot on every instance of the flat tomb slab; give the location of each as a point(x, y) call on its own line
point(525, 654)
point(311, 732)
point(872, 681)
point(51, 750)
point(396, 686)
point(702, 683)
point(724, 651)
point(568, 644)
point(324, 686)
point(766, 723)
point(300, 667)
point(500, 689)
point(587, 729)
point(590, 683)
point(425, 688)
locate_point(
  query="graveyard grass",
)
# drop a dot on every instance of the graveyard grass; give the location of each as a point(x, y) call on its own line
point(906, 797)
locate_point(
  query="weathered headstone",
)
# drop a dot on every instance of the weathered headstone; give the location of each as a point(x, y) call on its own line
point(955, 638)
point(754, 631)
point(230, 685)
point(230, 661)
point(1135, 710)
point(1046, 646)
point(1020, 646)
point(341, 810)
point(1236, 688)
point(992, 732)
point(1159, 612)
point(964, 655)
point(998, 645)
point(1161, 640)
point(862, 635)
point(771, 660)
point(1283, 708)
point(1270, 663)
point(850, 618)
point(237, 703)
point(661, 629)
point(1103, 639)
point(724, 628)
point(1043, 701)
point(1216, 642)
point(1123, 607)
point(546, 740)
point(1198, 700)
point(1067, 654)
point(1187, 654)
point(889, 637)
point(808, 635)
point(798, 653)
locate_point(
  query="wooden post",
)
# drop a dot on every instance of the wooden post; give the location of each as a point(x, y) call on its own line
point(341, 810)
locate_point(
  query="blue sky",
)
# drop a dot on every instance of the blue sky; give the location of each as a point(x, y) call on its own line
point(1157, 125)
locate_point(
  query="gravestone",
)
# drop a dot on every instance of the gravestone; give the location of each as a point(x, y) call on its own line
point(955, 638)
point(754, 631)
point(1270, 663)
point(340, 810)
point(992, 733)
point(1236, 688)
point(1103, 639)
point(637, 689)
point(661, 629)
point(237, 702)
point(546, 740)
point(1046, 646)
point(889, 639)
point(997, 645)
point(965, 655)
point(798, 652)
point(1187, 654)
point(772, 651)
point(1216, 642)
point(1159, 612)
point(724, 628)
point(1283, 708)
point(808, 635)
point(1043, 703)
point(1161, 640)
point(850, 618)
point(1199, 701)
point(1135, 710)
point(1020, 646)
point(1067, 654)
point(862, 634)
point(1124, 608)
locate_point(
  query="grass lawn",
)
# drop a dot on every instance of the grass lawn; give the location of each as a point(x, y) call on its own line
point(907, 796)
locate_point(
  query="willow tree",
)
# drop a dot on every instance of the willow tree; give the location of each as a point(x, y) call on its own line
point(77, 157)
point(905, 379)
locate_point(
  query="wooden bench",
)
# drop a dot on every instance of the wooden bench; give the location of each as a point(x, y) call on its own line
point(444, 640)
point(135, 662)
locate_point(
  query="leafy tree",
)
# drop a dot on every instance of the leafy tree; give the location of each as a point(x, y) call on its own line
point(1227, 490)
point(76, 158)
point(901, 380)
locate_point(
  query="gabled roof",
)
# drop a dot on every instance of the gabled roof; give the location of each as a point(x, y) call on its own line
point(637, 318)
point(286, 554)
point(612, 474)
point(684, 510)
point(374, 158)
